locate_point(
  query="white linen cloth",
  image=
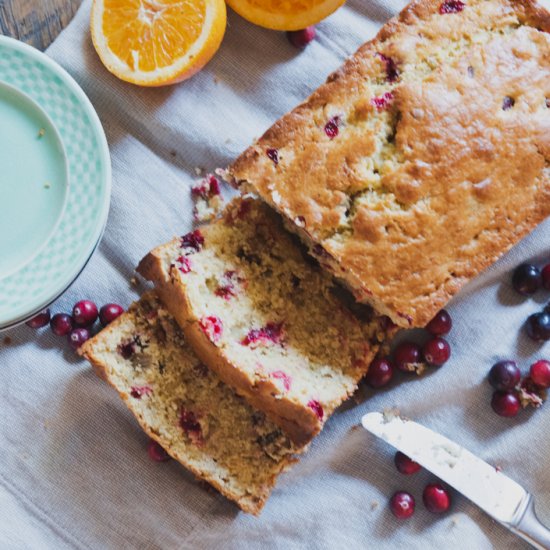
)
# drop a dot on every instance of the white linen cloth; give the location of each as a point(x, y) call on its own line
point(74, 472)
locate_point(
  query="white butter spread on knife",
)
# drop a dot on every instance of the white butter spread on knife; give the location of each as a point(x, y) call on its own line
point(491, 490)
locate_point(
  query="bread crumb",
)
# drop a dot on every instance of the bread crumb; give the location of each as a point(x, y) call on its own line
point(41, 133)
point(454, 520)
point(47, 185)
point(360, 394)
point(134, 281)
point(389, 414)
point(374, 505)
point(208, 199)
point(223, 173)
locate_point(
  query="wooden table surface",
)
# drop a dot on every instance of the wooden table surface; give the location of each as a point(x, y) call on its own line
point(36, 22)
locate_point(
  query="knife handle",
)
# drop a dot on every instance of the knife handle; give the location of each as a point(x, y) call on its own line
point(529, 527)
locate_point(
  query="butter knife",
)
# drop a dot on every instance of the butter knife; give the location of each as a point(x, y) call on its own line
point(499, 496)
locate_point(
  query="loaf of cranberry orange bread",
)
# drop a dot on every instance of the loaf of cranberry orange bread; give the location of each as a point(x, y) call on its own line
point(265, 318)
point(186, 408)
point(423, 159)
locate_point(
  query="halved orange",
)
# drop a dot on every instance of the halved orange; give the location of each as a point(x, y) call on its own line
point(157, 42)
point(285, 15)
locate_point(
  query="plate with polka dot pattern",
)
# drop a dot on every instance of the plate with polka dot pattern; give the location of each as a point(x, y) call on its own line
point(82, 207)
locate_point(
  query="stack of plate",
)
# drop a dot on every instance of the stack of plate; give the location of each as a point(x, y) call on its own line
point(55, 181)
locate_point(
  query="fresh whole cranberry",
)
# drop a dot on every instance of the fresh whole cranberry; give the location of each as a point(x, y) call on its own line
point(156, 452)
point(380, 373)
point(61, 324)
point(406, 465)
point(526, 279)
point(441, 324)
point(540, 373)
point(505, 403)
point(402, 505)
point(538, 326)
point(407, 357)
point(109, 312)
point(40, 320)
point(436, 498)
point(300, 39)
point(78, 336)
point(84, 313)
point(504, 375)
point(545, 274)
point(436, 351)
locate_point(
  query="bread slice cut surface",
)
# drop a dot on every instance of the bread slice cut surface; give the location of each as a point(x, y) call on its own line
point(186, 408)
point(266, 319)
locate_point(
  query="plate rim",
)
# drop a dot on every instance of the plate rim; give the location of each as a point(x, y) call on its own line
point(103, 154)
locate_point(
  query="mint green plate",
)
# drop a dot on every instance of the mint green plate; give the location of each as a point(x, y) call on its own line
point(55, 181)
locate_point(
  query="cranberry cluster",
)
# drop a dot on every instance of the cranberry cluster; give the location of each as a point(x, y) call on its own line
point(435, 497)
point(78, 326)
point(411, 357)
point(512, 391)
point(528, 279)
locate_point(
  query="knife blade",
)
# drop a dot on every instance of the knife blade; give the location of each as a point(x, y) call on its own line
point(495, 493)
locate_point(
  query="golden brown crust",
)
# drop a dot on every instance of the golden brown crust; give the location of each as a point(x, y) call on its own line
point(300, 425)
point(252, 505)
point(458, 178)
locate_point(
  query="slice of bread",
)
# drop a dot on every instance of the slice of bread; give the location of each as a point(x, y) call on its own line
point(186, 408)
point(265, 318)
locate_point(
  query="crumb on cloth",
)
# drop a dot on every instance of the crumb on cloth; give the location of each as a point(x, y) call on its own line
point(208, 199)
